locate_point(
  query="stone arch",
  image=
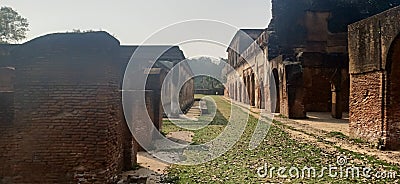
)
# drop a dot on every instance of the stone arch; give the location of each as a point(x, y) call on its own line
point(393, 95)
point(261, 95)
point(275, 84)
point(252, 89)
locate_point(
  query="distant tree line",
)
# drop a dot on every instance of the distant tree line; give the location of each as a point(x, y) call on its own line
point(207, 65)
point(207, 82)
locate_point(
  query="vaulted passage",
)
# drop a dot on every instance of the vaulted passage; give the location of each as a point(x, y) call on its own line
point(393, 98)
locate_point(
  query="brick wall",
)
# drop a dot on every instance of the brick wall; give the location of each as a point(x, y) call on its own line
point(6, 95)
point(366, 106)
point(68, 125)
point(374, 105)
point(6, 107)
point(292, 92)
point(62, 118)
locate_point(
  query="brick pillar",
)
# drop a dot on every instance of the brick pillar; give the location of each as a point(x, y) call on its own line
point(337, 107)
point(295, 92)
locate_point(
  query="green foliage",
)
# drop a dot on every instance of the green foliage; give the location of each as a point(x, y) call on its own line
point(206, 82)
point(211, 66)
point(13, 27)
point(208, 65)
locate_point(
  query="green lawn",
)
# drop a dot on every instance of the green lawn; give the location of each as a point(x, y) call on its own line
point(278, 149)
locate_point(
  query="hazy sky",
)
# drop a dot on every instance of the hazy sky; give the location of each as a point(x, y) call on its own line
point(133, 21)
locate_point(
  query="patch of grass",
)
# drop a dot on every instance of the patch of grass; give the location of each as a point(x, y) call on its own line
point(338, 135)
point(216, 124)
point(170, 179)
point(358, 140)
point(277, 122)
point(168, 127)
point(219, 118)
point(278, 149)
point(282, 116)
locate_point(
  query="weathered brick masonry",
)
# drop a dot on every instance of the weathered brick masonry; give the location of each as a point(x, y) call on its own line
point(61, 111)
point(302, 54)
point(6, 94)
point(68, 126)
point(7, 77)
point(374, 50)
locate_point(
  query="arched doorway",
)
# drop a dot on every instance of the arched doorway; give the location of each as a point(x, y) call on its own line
point(393, 96)
point(248, 90)
point(252, 90)
point(239, 90)
point(261, 95)
point(275, 89)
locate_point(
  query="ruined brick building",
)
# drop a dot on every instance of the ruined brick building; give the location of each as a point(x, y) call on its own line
point(374, 48)
point(303, 56)
point(61, 118)
point(243, 41)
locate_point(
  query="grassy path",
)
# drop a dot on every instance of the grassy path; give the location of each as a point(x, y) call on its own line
point(278, 149)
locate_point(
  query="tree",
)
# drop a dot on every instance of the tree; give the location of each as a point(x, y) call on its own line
point(13, 27)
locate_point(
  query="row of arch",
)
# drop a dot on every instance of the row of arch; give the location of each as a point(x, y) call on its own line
point(244, 89)
point(251, 90)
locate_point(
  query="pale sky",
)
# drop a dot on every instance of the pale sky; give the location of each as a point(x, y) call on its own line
point(133, 21)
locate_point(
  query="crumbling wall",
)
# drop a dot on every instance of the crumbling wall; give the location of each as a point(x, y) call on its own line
point(61, 110)
point(366, 106)
point(292, 99)
point(374, 75)
point(67, 125)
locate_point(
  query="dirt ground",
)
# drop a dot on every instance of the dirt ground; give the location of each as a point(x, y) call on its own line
point(152, 168)
point(324, 121)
